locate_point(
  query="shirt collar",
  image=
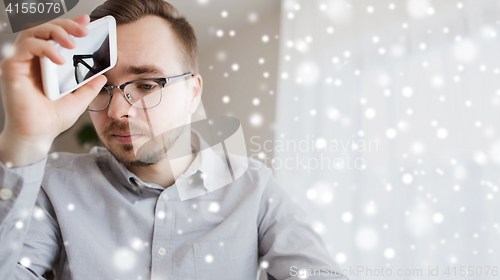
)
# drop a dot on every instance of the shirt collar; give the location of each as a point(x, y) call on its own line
point(208, 171)
point(124, 176)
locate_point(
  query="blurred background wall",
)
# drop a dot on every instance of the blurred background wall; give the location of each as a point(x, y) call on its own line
point(387, 132)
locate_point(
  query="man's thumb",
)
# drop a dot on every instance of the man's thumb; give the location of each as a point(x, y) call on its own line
point(77, 102)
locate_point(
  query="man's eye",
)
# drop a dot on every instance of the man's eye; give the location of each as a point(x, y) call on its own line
point(146, 86)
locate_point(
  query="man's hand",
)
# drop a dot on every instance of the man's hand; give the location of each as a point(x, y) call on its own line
point(32, 121)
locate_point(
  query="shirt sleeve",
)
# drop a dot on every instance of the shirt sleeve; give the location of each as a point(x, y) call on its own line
point(28, 232)
point(288, 246)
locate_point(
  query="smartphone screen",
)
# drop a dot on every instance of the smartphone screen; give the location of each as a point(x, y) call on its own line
point(90, 56)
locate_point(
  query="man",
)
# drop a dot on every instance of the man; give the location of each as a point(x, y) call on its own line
point(116, 213)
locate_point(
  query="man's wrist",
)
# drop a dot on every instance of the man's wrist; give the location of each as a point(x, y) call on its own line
point(16, 151)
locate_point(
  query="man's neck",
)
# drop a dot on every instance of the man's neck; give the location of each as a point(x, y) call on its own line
point(165, 172)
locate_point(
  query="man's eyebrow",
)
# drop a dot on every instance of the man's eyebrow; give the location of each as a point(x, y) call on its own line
point(143, 69)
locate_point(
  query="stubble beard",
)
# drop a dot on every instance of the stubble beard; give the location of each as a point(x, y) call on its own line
point(125, 153)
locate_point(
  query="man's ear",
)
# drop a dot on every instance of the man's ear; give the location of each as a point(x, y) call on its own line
point(197, 91)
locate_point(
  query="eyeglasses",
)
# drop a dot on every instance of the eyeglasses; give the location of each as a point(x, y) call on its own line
point(142, 94)
point(82, 68)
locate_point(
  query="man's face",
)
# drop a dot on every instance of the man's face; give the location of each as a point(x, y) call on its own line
point(143, 46)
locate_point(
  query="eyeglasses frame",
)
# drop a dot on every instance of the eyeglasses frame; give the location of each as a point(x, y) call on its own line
point(77, 58)
point(161, 81)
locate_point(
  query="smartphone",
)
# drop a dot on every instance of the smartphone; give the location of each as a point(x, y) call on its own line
point(93, 55)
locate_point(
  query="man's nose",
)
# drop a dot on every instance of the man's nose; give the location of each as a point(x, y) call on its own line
point(119, 107)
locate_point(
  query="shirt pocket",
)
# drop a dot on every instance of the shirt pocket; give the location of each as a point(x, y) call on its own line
point(228, 258)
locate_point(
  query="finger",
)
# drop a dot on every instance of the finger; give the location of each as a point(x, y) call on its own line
point(69, 26)
point(45, 31)
point(32, 47)
point(74, 104)
point(82, 20)
point(75, 28)
point(58, 34)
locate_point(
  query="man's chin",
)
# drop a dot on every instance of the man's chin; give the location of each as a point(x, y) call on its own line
point(125, 154)
point(128, 158)
point(137, 163)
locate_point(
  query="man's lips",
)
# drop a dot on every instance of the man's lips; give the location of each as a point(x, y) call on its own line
point(126, 138)
point(126, 134)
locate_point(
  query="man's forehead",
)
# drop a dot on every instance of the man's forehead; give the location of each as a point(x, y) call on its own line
point(147, 20)
point(147, 46)
point(143, 69)
point(159, 67)
point(149, 27)
point(147, 36)
point(138, 68)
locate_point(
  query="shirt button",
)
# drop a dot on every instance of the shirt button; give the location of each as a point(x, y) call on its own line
point(5, 194)
point(165, 197)
point(162, 251)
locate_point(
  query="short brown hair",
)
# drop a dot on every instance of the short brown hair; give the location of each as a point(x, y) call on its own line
point(126, 11)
